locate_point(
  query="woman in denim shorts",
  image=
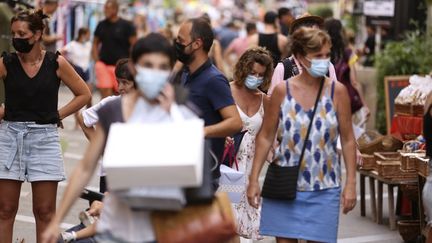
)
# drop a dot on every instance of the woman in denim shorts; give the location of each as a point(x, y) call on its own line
point(29, 141)
point(427, 189)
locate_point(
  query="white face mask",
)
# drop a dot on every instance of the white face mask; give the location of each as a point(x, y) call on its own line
point(319, 67)
point(151, 81)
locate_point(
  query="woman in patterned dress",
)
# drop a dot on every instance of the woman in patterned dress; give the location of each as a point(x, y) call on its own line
point(252, 74)
point(314, 214)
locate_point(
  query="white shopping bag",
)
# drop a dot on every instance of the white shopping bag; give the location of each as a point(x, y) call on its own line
point(155, 154)
point(232, 182)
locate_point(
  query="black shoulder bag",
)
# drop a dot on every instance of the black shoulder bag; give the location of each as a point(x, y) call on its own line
point(281, 181)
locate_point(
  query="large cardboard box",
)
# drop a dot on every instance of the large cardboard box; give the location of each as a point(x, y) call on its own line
point(156, 154)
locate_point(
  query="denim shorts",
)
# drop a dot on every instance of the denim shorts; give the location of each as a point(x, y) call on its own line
point(427, 196)
point(30, 152)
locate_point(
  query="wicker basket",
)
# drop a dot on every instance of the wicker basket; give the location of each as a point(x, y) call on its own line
point(422, 165)
point(370, 142)
point(408, 160)
point(368, 162)
point(409, 229)
point(409, 110)
point(388, 164)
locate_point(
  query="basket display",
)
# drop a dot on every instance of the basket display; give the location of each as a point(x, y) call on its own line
point(371, 142)
point(409, 110)
point(368, 162)
point(422, 166)
point(388, 164)
point(408, 160)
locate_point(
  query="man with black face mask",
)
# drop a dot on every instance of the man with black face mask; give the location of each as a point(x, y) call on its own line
point(209, 89)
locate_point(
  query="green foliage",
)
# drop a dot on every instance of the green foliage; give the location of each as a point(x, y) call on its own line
point(411, 56)
point(322, 11)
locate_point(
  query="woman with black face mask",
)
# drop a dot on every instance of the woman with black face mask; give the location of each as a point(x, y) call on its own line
point(29, 141)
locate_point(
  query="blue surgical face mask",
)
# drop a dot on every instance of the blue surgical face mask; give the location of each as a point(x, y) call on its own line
point(252, 82)
point(150, 81)
point(319, 67)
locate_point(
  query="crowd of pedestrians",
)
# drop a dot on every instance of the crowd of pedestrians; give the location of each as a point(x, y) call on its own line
point(293, 96)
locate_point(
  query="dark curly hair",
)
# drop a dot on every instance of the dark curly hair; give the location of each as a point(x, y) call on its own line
point(33, 18)
point(245, 64)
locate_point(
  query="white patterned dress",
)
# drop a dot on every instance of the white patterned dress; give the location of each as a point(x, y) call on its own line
point(248, 218)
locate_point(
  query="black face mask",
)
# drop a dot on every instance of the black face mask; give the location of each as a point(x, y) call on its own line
point(181, 55)
point(22, 45)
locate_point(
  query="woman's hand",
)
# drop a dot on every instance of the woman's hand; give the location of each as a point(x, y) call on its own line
point(51, 233)
point(348, 198)
point(2, 111)
point(166, 97)
point(254, 194)
point(95, 208)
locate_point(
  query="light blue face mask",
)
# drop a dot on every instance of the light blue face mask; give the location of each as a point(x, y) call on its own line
point(252, 82)
point(150, 81)
point(319, 67)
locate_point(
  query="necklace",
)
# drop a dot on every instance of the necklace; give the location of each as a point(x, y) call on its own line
point(35, 63)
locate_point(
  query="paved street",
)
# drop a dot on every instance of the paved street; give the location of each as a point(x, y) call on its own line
point(353, 228)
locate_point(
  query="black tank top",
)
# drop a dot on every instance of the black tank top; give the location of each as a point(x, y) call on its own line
point(270, 41)
point(427, 131)
point(31, 99)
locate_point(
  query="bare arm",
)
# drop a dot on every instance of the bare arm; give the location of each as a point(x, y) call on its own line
point(89, 132)
point(2, 69)
point(78, 180)
point(2, 76)
point(348, 146)
point(356, 84)
point(227, 55)
point(230, 124)
point(95, 48)
point(283, 46)
point(78, 87)
point(217, 55)
point(132, 40)
point(264, 141)
point(49, 39)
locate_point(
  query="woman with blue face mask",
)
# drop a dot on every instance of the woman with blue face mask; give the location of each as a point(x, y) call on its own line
point(252, 75)
point(314, 213)
point(152, 101)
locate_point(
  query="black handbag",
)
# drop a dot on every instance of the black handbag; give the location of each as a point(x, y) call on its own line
point(281, 181)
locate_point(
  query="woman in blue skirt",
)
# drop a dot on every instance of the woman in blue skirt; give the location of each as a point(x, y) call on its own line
point(314, 214)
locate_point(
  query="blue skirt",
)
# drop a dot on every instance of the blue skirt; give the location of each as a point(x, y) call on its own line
point(311, 216)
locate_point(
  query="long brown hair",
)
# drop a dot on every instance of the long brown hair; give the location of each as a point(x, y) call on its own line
point(245, 64)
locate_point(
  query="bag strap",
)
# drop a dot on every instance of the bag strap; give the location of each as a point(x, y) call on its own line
point(288, 68)
point(311, 121)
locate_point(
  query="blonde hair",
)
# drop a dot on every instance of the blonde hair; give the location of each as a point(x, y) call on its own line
point(245, 64)
point(308, 40)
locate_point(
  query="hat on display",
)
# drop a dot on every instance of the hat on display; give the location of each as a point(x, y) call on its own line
point(306, 20)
